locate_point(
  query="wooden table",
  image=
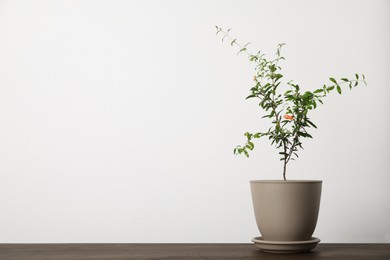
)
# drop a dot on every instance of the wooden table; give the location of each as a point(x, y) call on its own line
point(184, 251)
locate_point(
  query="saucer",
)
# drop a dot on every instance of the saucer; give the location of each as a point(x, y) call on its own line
point(285, 246)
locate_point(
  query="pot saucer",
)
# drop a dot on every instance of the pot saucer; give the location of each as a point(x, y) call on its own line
point(285, 246)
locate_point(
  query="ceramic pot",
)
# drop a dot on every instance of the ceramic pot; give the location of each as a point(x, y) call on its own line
point(286, 210)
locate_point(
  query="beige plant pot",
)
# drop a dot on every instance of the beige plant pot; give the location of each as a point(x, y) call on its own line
point(286, 210)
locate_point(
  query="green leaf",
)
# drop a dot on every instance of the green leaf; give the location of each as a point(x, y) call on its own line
point(357, 76)
point(248, 135)
point(318, 91)
point(333, 80)
point(218, 29)
point(250, 146)
point(233, 42)
point(251, 96)
point(296, 87)
point(272, 68)
point(276, 76)
point(344, 79)
point(308, 135)
point(330, 88)
point(304, 134)
point(242, 50)
point(311, 123)
point(246, 153)
point(338, 89)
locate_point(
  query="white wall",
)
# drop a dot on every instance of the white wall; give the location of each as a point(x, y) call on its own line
point(119, 118)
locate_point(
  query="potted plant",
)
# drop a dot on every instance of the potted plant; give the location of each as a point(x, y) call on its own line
point(286, 211)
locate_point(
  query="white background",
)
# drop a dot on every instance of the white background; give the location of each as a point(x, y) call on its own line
point(119, 118)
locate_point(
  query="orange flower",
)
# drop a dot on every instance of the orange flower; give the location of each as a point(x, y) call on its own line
point(289, 117)
point(254, 78)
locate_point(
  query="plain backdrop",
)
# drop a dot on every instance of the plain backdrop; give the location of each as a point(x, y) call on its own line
point(118, 119)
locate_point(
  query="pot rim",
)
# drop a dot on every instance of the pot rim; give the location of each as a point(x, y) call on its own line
point(286, 181)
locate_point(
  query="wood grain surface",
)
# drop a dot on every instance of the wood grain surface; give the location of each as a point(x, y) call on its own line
point(184, 251)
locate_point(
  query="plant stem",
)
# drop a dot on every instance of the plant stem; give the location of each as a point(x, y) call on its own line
point(296, 137)
point(285, 160)
point(226, 35)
